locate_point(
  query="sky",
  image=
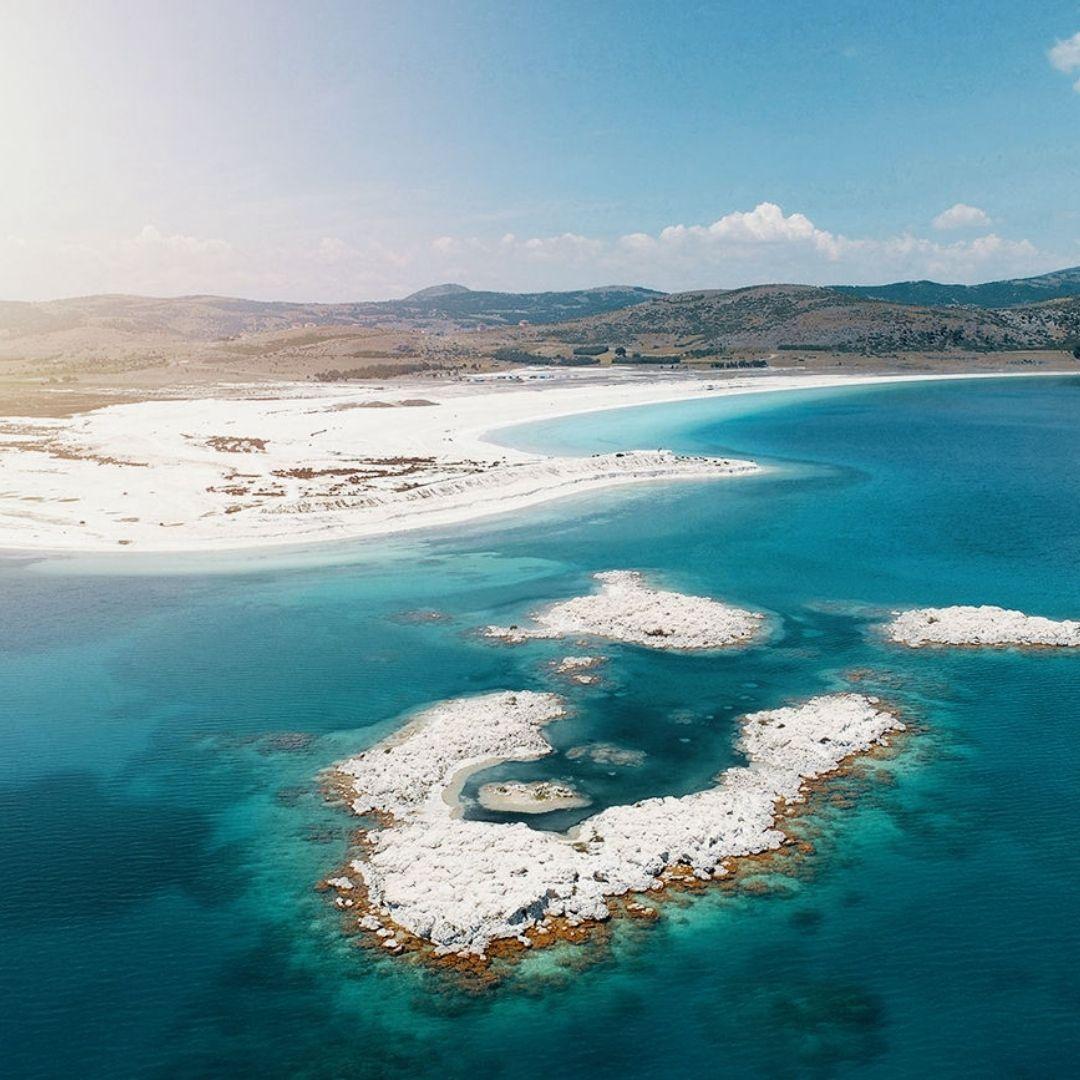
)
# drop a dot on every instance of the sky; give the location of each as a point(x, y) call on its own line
point(343, 151)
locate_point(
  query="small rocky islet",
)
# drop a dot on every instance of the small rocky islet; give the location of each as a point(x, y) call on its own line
point(981, 627)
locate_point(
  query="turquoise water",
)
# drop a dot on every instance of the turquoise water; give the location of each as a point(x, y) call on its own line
point(161, 738)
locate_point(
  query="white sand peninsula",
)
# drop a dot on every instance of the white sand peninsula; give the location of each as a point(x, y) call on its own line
point(530, 797)
point(432, 878)
point(297, 464)
point(626, 609)
point(981, 626)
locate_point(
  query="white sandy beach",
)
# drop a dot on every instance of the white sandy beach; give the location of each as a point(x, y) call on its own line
point(300, 463)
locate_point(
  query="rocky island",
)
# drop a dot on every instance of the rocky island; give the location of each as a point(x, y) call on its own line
point(628, 610)
point(988, 627)
point(428, 879)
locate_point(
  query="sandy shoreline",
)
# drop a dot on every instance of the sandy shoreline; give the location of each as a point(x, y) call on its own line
point(311, 465)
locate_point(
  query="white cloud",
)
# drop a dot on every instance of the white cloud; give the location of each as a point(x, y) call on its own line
point(740, 248)
point(566, 247)
point(1065, 56)
point(961, 216)
point(152, 239)
point(333, 250)
point(348, 258)
point(765, 224)
point(743, 247)
point(743, 238)
point(980, 259)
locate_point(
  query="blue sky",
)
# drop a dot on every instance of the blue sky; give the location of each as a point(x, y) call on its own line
point(350, 150)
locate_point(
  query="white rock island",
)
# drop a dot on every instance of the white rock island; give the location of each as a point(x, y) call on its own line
point(987, 627)
point(628, 610)
point(434, 880)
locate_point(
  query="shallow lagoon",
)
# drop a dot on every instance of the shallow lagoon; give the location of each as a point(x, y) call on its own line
point(162, 736)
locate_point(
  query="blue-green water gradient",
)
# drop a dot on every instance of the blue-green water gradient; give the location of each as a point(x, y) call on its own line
point(161, 828)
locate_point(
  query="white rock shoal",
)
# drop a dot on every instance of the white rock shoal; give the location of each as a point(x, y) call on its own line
point(430, 754)
point(980, 626)
point(463, 884)
point(571, 664)
point(628, 610)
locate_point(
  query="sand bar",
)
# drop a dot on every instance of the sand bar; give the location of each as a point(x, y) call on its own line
point(530, 797)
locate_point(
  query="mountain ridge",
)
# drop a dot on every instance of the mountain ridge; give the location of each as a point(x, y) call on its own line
point(205, 317)
point(759, 317)
point(781, 317)
point(1008, 292)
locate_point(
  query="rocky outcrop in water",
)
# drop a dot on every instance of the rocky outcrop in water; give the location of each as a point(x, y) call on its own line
point(628, 610)
point(985, 626)
point(461, 885)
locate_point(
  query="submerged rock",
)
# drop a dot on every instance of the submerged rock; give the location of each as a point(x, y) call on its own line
point(607, 754)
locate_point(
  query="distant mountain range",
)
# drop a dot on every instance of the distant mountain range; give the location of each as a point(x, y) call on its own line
point(204, 318)
point(992, 294)
point(1037, 312)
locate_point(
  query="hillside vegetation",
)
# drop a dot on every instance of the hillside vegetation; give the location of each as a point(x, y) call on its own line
point(807, 317)
point(1033, 290)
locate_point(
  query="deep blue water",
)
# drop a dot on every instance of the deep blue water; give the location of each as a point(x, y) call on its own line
point(160, 838)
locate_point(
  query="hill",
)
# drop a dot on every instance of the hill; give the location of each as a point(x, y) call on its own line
point(193, 318)
point(454, 332)
point(213, 318)
point(993, 294)
point(468, 306)
point(434, 292)
point(808, 317)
